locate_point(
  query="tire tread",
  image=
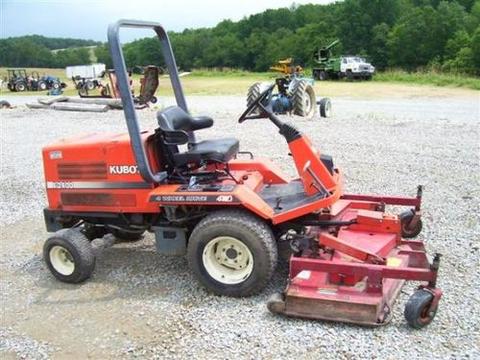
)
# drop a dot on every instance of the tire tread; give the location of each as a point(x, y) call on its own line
point(250, 223)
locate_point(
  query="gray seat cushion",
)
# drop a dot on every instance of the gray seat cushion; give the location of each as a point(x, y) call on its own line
point(221, 150)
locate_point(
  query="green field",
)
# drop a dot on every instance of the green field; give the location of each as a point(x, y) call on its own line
point(430, 78)
point(235, 82)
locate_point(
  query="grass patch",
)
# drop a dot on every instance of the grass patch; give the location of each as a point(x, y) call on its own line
point(429, 78)
point(228, 81)
point(231, 73)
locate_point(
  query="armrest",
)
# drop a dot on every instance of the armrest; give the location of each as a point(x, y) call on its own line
point(201, 122)
point(175, 137)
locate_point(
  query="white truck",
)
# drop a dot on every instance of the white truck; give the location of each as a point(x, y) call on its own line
point(356, 67)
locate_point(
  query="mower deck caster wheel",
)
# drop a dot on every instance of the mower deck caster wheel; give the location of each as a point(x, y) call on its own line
point(408, 231)
point(418, 311)
point(276, 303)
point(69, 256)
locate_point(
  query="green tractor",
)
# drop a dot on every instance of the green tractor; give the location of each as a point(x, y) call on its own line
point(350, 67)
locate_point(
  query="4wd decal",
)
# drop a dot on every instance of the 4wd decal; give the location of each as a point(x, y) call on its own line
point(229, 199)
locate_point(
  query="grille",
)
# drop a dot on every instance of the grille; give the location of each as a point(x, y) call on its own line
point(98, 199)
point(82, 171)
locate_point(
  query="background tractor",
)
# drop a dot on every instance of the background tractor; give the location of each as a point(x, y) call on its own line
point(295, 93)
point(95, 88)
point(330, 67)
point(19, 80)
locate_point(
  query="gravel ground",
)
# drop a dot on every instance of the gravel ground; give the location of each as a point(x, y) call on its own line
point(141, 304)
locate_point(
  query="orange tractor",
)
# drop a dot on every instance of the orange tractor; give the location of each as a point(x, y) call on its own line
point(228, 213)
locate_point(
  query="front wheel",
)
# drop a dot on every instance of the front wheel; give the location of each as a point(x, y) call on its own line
point(69, 256)
point(418, 310)
point(232, 253)
point(325, 108)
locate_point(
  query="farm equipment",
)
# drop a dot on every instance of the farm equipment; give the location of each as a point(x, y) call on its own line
point(148, 86)
point(19, 80)
point(350, 67)
point(228, 214)
point(295, 93)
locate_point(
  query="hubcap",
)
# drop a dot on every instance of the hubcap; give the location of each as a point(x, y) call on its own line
point(227, 260)
point(307, 102)
point(62, 260)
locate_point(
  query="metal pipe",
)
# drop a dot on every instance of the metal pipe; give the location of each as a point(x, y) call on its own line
point(126, 96)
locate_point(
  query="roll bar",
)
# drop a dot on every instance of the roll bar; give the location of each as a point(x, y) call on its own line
point(126, 95)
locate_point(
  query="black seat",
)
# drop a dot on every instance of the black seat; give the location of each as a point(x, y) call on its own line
point(174, 124)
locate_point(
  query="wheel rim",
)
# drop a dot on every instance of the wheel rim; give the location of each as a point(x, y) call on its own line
point(227, 260)
point(61, 260)
point(307, 103)
point(328, 109)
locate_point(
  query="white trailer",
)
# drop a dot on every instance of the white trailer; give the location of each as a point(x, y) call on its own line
point(92, 71)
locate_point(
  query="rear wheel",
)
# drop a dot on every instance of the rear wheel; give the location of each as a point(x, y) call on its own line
point(232, 253)
point(303, 99)
point(69, 256)
point(322, 76)
point(253, 93)
point(20, 86)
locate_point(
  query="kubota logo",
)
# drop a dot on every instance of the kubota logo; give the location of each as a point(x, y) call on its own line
point(123, 169)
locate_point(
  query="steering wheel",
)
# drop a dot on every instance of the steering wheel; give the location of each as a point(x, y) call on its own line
point(265, 113)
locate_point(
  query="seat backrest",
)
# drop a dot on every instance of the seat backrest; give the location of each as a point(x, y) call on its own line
point(175, 118)
point(174, 124)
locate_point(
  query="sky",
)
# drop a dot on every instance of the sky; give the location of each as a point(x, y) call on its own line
point(89, 19)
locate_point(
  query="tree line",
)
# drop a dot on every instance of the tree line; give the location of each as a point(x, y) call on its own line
point(406, 34)
point(36, 51)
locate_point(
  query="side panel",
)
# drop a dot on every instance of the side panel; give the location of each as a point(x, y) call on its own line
point(96, 173)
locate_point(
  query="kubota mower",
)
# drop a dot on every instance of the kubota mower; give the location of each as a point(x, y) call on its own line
point(228, 212)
